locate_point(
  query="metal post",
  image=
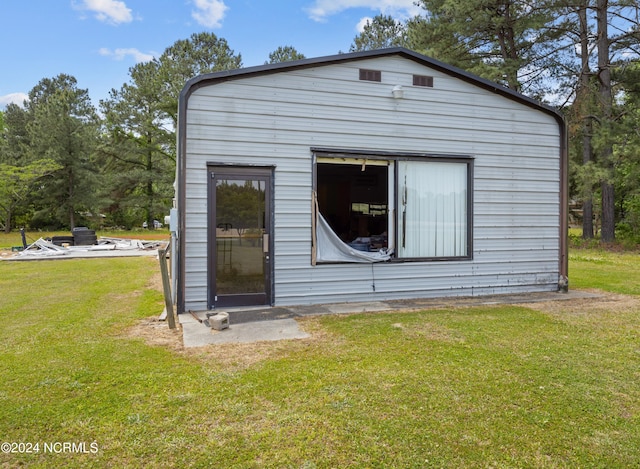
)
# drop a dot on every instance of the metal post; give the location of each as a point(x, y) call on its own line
point(24, 238)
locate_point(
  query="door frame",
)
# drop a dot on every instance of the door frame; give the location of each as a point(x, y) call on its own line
point(265, 173)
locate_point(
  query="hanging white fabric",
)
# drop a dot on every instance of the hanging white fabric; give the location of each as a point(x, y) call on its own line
point(433, 220)
point(330, 248)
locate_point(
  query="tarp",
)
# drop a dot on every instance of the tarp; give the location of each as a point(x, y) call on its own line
point(330, 248)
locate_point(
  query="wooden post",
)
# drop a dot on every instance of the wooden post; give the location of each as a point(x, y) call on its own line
point(166, 286)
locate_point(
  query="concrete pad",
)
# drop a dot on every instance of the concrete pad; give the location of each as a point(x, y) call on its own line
point(196, 334)
point(106, 247)
point(346, 308)
point(278, 329)
point(268, 324)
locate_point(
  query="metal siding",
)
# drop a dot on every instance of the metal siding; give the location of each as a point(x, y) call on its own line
point(275, 119)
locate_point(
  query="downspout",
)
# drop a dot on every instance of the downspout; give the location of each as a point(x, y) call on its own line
point(563, 281)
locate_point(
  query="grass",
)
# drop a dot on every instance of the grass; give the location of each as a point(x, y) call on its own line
point(612, 271)
point(494, 386)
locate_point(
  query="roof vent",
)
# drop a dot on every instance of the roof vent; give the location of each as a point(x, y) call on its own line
point(423, 80)
point(370, 75)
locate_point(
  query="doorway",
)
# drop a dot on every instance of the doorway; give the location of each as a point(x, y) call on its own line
point(240, 236)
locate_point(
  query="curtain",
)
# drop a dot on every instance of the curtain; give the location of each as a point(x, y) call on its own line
point(433, 209)
point(330, 248)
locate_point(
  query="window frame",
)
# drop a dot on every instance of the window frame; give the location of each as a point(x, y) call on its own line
point(392, 159)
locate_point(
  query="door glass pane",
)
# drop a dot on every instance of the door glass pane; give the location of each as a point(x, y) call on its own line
point(240, 226)
point(433, 209)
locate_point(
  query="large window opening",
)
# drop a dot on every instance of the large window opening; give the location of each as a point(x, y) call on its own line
point(353, 198)
point(410, 207)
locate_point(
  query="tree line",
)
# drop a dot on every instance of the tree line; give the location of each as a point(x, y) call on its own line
point(64, 162)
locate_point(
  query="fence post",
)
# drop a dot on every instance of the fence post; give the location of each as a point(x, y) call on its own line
point(166, 286)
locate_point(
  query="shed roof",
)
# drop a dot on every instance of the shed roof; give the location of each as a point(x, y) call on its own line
point(228, 75)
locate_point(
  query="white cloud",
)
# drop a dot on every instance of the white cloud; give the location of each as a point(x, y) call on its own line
point(400, 9)
point(363, 22)
point(108, 11)
point(121, 54)
point(15, 98)
point(209, 13)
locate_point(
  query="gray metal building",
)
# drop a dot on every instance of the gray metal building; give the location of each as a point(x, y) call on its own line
point(368, 176)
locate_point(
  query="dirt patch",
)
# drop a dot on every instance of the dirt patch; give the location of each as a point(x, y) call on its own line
point(605, 302)
point(233, 357)
point(240, 356)
point(8, 254)
point(152, 330)
point(157, 333)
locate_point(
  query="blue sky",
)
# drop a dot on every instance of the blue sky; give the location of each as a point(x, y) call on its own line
point(96, 41)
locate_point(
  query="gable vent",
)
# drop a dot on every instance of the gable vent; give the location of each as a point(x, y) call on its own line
point(423, 80)
point(370, 75)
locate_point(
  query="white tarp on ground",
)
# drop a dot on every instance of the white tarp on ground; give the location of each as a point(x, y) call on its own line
point(330, 248)
point(106, 247)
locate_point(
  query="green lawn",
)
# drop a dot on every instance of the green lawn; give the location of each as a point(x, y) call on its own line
point(494, 386)
point(616, 272)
